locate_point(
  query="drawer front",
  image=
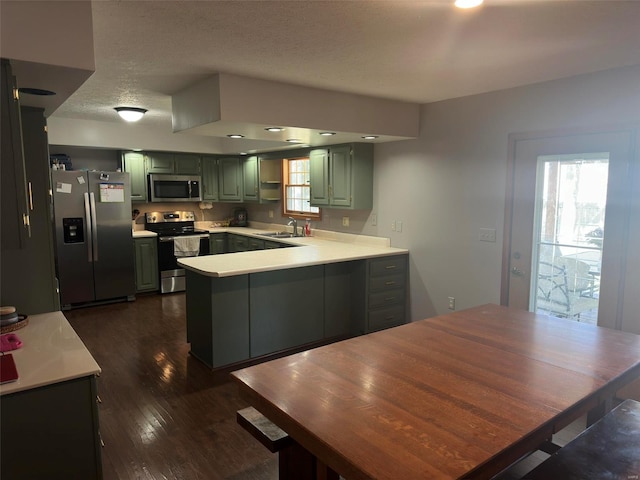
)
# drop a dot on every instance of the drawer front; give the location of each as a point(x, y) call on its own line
point(388, 282)
point(388, 265)
point(390, 297)
point(386, 318)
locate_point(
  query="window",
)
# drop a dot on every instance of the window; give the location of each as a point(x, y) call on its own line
point(297, 191)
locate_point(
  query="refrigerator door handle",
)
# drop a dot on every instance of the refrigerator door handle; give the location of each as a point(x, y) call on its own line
point(87, 220)
point(94, 226)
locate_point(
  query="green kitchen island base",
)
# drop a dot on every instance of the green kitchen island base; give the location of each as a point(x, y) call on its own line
point(242, 317)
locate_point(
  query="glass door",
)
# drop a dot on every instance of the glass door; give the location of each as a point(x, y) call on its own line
point(571, 199)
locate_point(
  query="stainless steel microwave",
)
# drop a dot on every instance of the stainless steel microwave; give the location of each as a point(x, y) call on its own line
point(174, 188)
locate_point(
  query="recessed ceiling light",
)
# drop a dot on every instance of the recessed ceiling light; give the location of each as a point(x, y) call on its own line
point(370, 137)
point(468, 3)
point(130, 114)
point(274, 129)
point(235, 135)
point(327, 134)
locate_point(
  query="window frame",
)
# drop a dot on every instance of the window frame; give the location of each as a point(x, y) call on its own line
point(285, 184)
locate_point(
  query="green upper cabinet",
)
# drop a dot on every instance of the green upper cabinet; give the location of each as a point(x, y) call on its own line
point(15, 229)
point(158, 162)
point(340, 165)
point(133, 163)
point(319, 176)
point(187, 164)
point(230, 179)
point(209, 178)
point(180, 163)
point(250, 179)
point(341, 176)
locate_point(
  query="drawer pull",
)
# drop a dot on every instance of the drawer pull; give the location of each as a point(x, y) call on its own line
point(390, 317)
point(390, 267)
point(390, 283)
point(389, 299)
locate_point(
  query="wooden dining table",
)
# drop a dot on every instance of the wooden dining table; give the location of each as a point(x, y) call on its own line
point(462, 395)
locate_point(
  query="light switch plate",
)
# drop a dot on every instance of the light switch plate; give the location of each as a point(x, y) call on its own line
point(487, 235)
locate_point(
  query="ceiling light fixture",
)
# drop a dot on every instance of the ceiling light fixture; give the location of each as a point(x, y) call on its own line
point(235, 135)
point(274, 129)
point(370, 137)
point(294, 140)
point(327, 134)
point(468, 3)
point(130, 114)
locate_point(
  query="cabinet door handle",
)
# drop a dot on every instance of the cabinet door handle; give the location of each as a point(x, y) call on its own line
point(390, 267)
point(390, 317)
point(389, 283)
point(26, 220)
point(30, 197)
point(389, 299)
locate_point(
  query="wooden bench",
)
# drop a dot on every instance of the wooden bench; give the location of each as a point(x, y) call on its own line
point(294, 461)
point(609, 449)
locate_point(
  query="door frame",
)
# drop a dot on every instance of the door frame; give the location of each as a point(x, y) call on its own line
point(514, 138)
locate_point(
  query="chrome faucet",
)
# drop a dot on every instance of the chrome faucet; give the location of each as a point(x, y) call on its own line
point(293, 222)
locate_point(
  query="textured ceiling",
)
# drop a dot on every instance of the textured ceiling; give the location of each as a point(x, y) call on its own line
point(416, 51)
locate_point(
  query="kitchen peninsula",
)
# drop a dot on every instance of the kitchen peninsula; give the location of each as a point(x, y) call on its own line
point(49, 415)
point(247, 305)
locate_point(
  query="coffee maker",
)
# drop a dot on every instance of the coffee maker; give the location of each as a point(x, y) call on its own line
point(239, 218)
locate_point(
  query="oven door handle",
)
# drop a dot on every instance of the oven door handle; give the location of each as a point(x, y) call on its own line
point(171, 239)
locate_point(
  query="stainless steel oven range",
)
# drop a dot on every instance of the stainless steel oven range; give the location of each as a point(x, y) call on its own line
point(177, 237)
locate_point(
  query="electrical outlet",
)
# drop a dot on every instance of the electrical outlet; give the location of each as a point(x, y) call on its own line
point(393, 226)
point(270, 213)
point(374, 219)
point(452, 303)
point(345, 221)
point(398, 226)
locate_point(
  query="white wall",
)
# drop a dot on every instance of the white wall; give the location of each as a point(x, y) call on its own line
point(451, 181)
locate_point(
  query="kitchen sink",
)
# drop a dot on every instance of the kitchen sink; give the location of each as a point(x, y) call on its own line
point(277, 234)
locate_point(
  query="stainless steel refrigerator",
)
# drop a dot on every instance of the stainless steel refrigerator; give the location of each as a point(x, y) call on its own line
point(94, 244)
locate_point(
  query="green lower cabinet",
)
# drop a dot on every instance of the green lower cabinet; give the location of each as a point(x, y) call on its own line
point(381, 293)
point(218, 318)
point(218, 243)
point(237, 243)
point(238, 318)
point(256, 244)
point(287, 309)
point(51, 432)
point(146, 258)
point(338, 295)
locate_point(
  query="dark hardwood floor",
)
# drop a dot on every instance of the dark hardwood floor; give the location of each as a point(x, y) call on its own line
point(164, 415)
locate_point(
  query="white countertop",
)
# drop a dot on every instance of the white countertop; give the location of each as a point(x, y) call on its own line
point(321, 248)
point(143, 234)
point(51, 352)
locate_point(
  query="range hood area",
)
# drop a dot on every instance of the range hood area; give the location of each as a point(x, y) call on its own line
point(225, 104)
